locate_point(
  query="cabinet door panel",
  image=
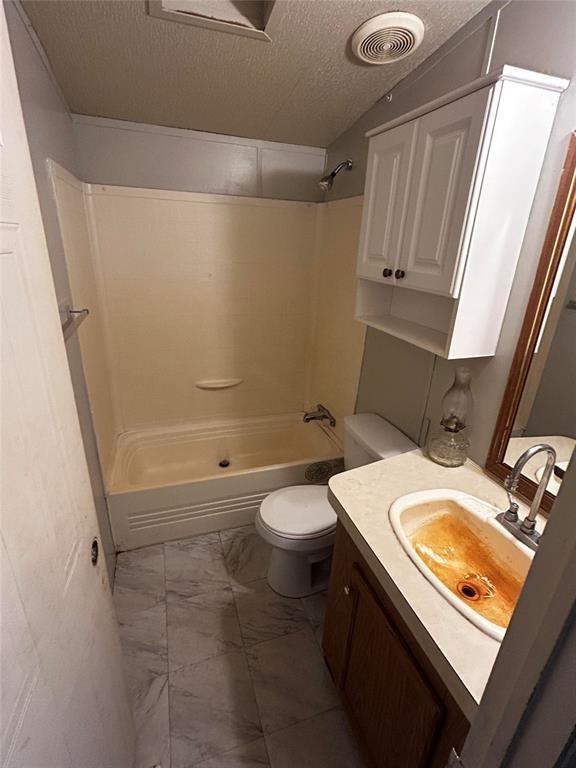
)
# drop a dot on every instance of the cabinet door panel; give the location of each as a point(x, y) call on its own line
point(387, 175)
point(340, 606)
point(395, 708)
point(445, 158)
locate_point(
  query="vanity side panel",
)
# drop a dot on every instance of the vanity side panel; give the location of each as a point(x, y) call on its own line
point(518, 144)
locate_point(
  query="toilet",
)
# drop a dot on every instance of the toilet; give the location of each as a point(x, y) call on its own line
point(299, 522)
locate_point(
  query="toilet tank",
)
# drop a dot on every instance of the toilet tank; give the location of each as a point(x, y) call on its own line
point(368, 438)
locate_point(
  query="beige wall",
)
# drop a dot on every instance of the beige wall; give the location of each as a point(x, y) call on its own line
point(394, 381)
point(455, 63)
point(337, 341)
point(186, 287)
point(157, 157)
point(417, 384)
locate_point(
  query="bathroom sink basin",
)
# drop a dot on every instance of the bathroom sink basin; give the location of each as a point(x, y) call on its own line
point(473, 562)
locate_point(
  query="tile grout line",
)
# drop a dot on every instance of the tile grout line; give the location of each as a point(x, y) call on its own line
point(280, 637)
point(176, 596)
point(209, 589)
point(207, 760)
point(247, 662)
point(319, 647)
point(167, 659)
point(309, 627)
point(244, 647)
point(142, 611)
point(338, 708)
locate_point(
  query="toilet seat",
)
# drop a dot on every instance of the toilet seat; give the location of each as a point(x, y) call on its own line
point(300, 512)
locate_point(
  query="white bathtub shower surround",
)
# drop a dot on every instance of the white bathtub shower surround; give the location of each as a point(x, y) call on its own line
point(198, 287)
point(209, 448)
point(337, 341)
point(185, 288)
point(190, 291)
point(173, 482)
point(210, 314)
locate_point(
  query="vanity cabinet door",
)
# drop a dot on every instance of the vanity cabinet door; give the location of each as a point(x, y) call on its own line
point(387, 174)
point(442, 193)
point(401, 711)
point(387, 695)
point(340, 608)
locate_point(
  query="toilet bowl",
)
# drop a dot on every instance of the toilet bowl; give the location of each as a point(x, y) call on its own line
point(299, 522)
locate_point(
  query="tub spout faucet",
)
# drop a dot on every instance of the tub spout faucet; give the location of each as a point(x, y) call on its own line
point(320, 414)
point(525, 530)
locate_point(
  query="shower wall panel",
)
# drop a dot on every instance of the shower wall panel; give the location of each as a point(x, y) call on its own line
point(84, 287)
point(202, 287)
point(337, 339)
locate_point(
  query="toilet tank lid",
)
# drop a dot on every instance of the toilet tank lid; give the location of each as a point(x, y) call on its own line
point(377, 436)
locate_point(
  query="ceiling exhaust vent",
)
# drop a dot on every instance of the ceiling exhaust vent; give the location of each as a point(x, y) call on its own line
point(238, 17)
point(388, 37)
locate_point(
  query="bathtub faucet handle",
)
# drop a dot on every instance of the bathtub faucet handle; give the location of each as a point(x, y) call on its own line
point(320, 414)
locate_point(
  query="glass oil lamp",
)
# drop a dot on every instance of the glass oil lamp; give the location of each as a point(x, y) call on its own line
point(449, 446)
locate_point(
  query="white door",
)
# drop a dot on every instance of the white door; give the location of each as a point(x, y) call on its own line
point(445, 158)
point(63, 697)
point(388, 170)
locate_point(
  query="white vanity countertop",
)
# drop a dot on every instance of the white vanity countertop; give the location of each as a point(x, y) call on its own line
point(461, 653)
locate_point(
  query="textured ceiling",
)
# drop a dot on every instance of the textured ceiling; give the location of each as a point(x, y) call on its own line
point(113, 60)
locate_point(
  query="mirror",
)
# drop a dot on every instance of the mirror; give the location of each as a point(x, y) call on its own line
point(539, 404)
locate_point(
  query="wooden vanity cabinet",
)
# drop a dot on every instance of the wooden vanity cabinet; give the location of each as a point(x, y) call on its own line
point(402, 713)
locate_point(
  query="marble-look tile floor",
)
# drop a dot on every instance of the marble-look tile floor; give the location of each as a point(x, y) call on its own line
point(223, 672)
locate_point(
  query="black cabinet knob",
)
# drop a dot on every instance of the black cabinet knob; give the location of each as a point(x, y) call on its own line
point(399, 274)
point(386, 272)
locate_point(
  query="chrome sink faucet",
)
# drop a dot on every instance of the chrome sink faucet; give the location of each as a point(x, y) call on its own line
point(525, 530)
point(320, 414)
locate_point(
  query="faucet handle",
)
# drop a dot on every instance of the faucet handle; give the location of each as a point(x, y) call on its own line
point(511, 482)
point(511, 513)
point(511, 485)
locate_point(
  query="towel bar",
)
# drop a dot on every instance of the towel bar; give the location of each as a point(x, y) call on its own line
point(74, 318)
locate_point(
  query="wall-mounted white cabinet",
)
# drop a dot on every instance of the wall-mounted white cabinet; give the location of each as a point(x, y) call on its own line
point(448, 193)
point(384, 212)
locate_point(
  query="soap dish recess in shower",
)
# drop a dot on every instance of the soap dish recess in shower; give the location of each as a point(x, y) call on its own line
point(218, 383)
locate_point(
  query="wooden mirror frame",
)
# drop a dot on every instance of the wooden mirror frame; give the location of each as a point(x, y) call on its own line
point(556, 236)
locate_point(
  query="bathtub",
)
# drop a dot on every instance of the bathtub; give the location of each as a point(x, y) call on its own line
point(174, 482)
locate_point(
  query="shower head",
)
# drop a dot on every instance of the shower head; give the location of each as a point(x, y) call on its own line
point(326, 182)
